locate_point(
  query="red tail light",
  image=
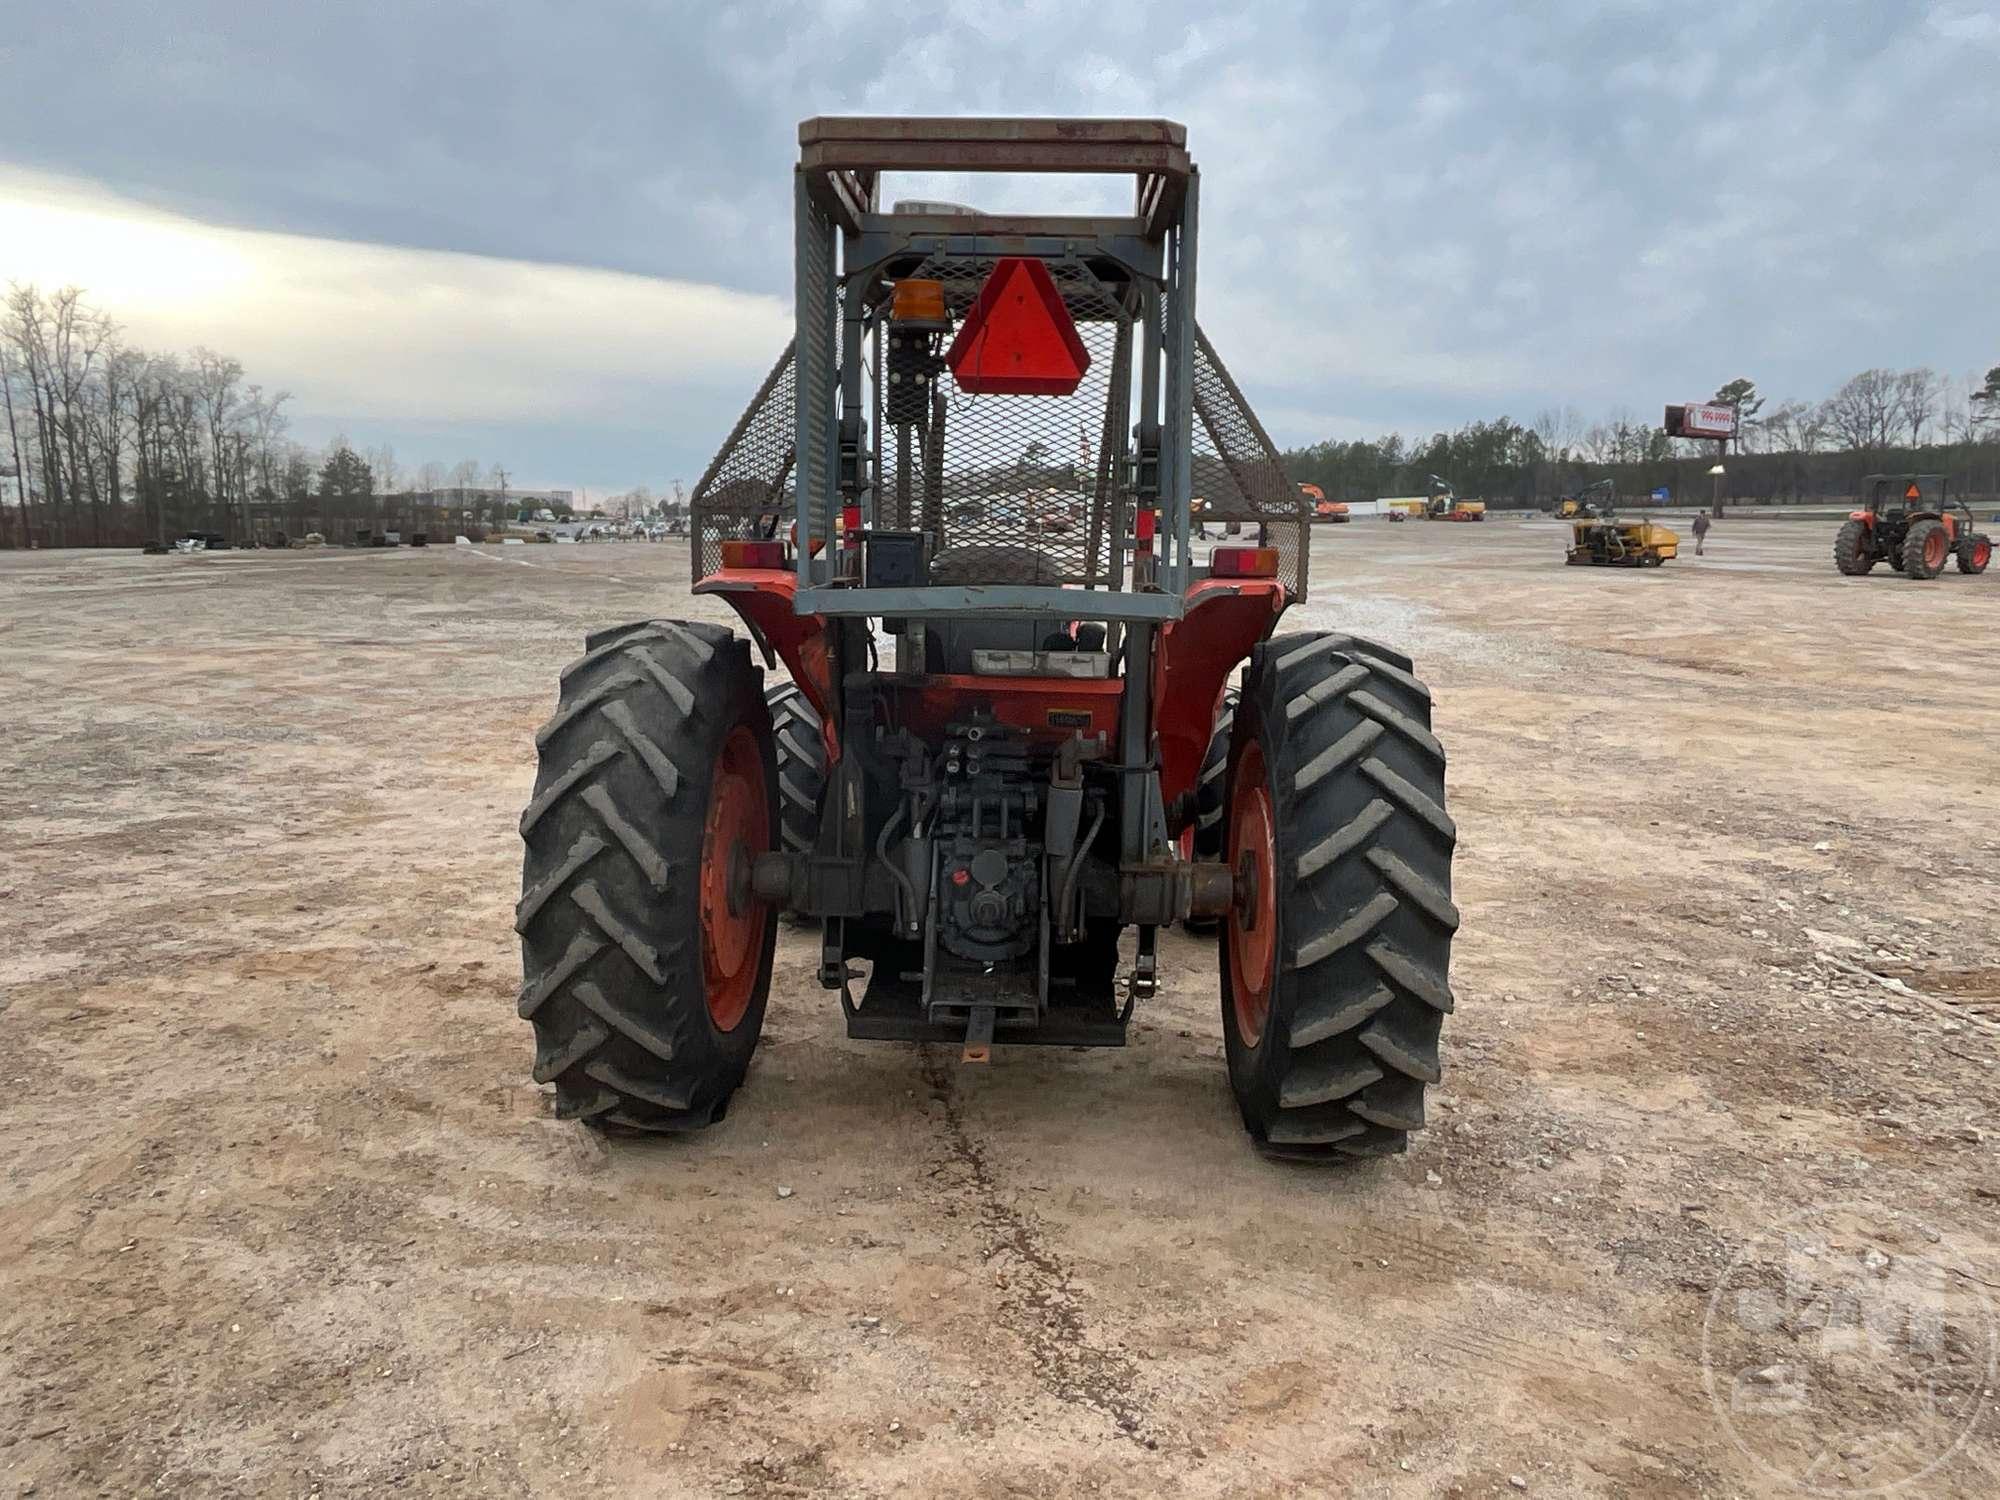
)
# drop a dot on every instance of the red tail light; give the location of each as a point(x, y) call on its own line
point(1243, 562)
point(1144, 524)
point(748, 554)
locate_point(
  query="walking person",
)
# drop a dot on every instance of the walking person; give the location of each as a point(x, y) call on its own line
point(1700, 530)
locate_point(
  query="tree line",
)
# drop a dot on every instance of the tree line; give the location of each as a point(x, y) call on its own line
point(1878, 421)
point(113, 445)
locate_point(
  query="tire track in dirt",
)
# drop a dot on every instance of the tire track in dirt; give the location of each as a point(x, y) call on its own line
point(1039, 1302)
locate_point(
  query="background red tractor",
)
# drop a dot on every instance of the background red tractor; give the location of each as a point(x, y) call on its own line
point(1910, 522)
point(993, 741)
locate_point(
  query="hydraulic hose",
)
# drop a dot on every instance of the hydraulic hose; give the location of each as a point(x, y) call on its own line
point(1076, 862)
point(882, 853)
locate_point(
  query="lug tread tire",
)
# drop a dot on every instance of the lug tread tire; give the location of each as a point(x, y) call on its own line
point(801, 765)
point(1208, 790)
point(1964, 556)
point(609, 916)
point(1914, 546)
point(1852, 553)
point(1365, 917)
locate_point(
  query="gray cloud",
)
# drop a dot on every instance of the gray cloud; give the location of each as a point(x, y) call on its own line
point(1414, 213)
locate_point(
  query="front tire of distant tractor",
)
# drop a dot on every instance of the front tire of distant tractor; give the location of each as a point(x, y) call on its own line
point(1925, 550)
point(1974, 554)
point(646, 962)
point(1854, 550)
point(1336, 958)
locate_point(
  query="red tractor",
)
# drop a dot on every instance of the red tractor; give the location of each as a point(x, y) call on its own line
point(1909, 522)
point(993, 737)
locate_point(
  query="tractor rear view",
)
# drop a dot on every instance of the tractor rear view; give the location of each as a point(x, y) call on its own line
point(1910, 522)
point(993, 741)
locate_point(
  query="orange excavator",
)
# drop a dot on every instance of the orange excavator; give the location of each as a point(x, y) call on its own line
point(1323, 509)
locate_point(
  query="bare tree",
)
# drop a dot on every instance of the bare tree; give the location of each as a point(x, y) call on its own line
point(382, 463)
point(25, 497)
point(1862, 413)
point(264, 417)
point(58, 340)
point(216, 378)
point(1795, 427)
point(1918, 393)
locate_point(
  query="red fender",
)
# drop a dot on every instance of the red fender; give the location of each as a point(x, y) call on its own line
point(764, 598)
point(1196, 654)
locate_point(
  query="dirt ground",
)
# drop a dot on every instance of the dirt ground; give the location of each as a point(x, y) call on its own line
point(1707, 1205)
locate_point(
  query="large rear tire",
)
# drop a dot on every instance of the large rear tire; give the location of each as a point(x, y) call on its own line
point(646, 964)
point(1214, 773)
point(1925, 550)
point(801, 765)
point(1206, 840)
point(1854, 550)
point(1336, 961)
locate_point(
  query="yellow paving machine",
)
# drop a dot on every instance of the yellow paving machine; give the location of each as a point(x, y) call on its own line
point(1606, 541)
point(1443, 504)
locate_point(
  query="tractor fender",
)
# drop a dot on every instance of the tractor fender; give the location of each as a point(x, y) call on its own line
point(764, 598)
point(1192, 664)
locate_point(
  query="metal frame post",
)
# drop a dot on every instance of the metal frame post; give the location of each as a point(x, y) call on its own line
point(813, 278)
point(1176, 479)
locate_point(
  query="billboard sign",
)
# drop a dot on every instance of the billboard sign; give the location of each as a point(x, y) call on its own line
point(1708, 421)
point(1662, 495)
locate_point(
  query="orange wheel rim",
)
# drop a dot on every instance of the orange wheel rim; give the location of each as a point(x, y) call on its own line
point(1934, 550)
point(1981, 552)
point(1253, 921)
point(737, 830)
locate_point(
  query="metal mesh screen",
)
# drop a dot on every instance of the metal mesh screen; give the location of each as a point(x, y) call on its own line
point(1237, 472)
point(1013, 489)
point(1018, 489)
point(747, 489)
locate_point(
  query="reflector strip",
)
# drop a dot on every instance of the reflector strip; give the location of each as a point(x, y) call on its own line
point(1243, 562)
point(753, 554)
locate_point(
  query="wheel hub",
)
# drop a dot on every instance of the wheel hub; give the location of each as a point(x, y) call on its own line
point(1251, 943)
point(1248, 891)
point(740, 895)
point(738, 827)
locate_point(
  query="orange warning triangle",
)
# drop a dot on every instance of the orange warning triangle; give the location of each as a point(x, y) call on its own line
point(1913, 493)
point(1018, 339)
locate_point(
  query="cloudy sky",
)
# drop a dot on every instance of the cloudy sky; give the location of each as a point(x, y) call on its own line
point(557, 235)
